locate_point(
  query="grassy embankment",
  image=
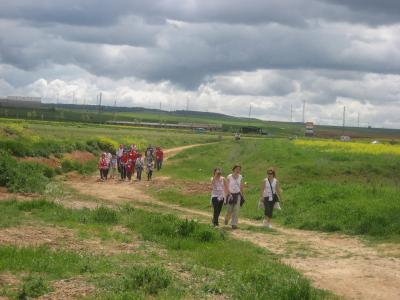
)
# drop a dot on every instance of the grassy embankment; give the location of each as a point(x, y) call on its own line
point(20, 139)
point(328, 186)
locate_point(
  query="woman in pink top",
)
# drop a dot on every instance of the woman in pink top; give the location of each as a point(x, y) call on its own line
point(219, 190)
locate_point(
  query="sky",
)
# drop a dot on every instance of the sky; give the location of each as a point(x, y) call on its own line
point(210, 55)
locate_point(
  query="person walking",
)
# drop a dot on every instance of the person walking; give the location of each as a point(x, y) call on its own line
point(149, 162)
point(218, 192)
point(139, 165)
point(103, 167)
point(120, 153)
point(159, 158)
point(271, 195)
point(129, 169)
point(122, 165)
point(235, 197)
point(113, 166)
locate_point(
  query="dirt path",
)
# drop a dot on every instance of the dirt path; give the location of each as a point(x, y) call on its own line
point(339, 263)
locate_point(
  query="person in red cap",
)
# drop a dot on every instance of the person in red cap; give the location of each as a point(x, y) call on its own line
point(103, 167)
point(159, 158)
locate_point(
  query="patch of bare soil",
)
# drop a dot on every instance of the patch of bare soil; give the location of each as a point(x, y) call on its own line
point(62, 238)
point(80, 156)
point(52, 162)
point(72, 288)
point(339, 263)
point(5, 195)
point(9, 281)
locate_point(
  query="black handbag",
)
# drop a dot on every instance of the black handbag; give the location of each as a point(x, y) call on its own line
point(242, 200)
point(275, 197)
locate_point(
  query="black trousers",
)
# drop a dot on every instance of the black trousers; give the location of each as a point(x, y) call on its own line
point(139, 174)
point(149, 174)
point(159, 164)
point(103, 173)
point(123, 171)
point(217, 205)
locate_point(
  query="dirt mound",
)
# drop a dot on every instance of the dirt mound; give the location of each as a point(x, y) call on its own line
point(80, 156)
point(52, 162)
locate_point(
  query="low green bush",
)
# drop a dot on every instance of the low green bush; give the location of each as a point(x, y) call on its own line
point(33, 286)
point(150, 279)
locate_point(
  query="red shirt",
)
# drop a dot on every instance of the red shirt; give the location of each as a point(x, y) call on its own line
point(132, 155)
point(124, 158)
point(103, 163)
point(159, 154)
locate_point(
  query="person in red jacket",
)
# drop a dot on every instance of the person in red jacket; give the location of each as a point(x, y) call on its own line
point(132, 155)
point(103, 167)
point(123, 164)
point(129, 169)
point(159, 158)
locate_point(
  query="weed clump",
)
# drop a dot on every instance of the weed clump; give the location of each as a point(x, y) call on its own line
point(33, 286)
point(104, 215)
point(149, 279)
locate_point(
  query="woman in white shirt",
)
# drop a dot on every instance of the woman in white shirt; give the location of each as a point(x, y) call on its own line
point(235, 196)
point(219, 189)
point(271, 194)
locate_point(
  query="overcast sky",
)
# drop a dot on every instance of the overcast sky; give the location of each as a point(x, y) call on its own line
point(215, 55)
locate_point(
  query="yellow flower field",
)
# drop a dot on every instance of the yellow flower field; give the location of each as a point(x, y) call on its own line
point(352, 147)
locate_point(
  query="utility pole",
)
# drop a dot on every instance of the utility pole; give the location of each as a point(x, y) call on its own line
point(291, 112)
point(304, 111)
point(249, 112)
point(344, 118)
point(100, 102)
point(358, 120)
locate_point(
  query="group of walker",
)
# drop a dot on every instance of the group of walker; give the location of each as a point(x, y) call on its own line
point(229, 191)
point(127, 161)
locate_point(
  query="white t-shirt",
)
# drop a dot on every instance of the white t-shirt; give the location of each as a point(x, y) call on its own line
point(267, 188)
point(218, 188)
point(234, 183)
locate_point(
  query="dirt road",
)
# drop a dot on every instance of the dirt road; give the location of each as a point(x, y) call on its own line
point(339, 263)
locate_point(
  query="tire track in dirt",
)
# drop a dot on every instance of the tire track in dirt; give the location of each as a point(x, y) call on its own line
point(339, 263)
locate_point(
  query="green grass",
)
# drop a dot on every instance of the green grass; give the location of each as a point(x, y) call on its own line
point(328, 191)
point(235, 267)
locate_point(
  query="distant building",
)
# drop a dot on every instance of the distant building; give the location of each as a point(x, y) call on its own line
point(20, 101)
point(309, 129)
point(345, 138)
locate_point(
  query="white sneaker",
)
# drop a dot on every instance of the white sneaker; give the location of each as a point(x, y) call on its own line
point(267, 225)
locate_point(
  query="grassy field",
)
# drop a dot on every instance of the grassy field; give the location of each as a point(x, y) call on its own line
point(328, 186)
point(129, 253)
point(90, 114)
point(172, 258)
